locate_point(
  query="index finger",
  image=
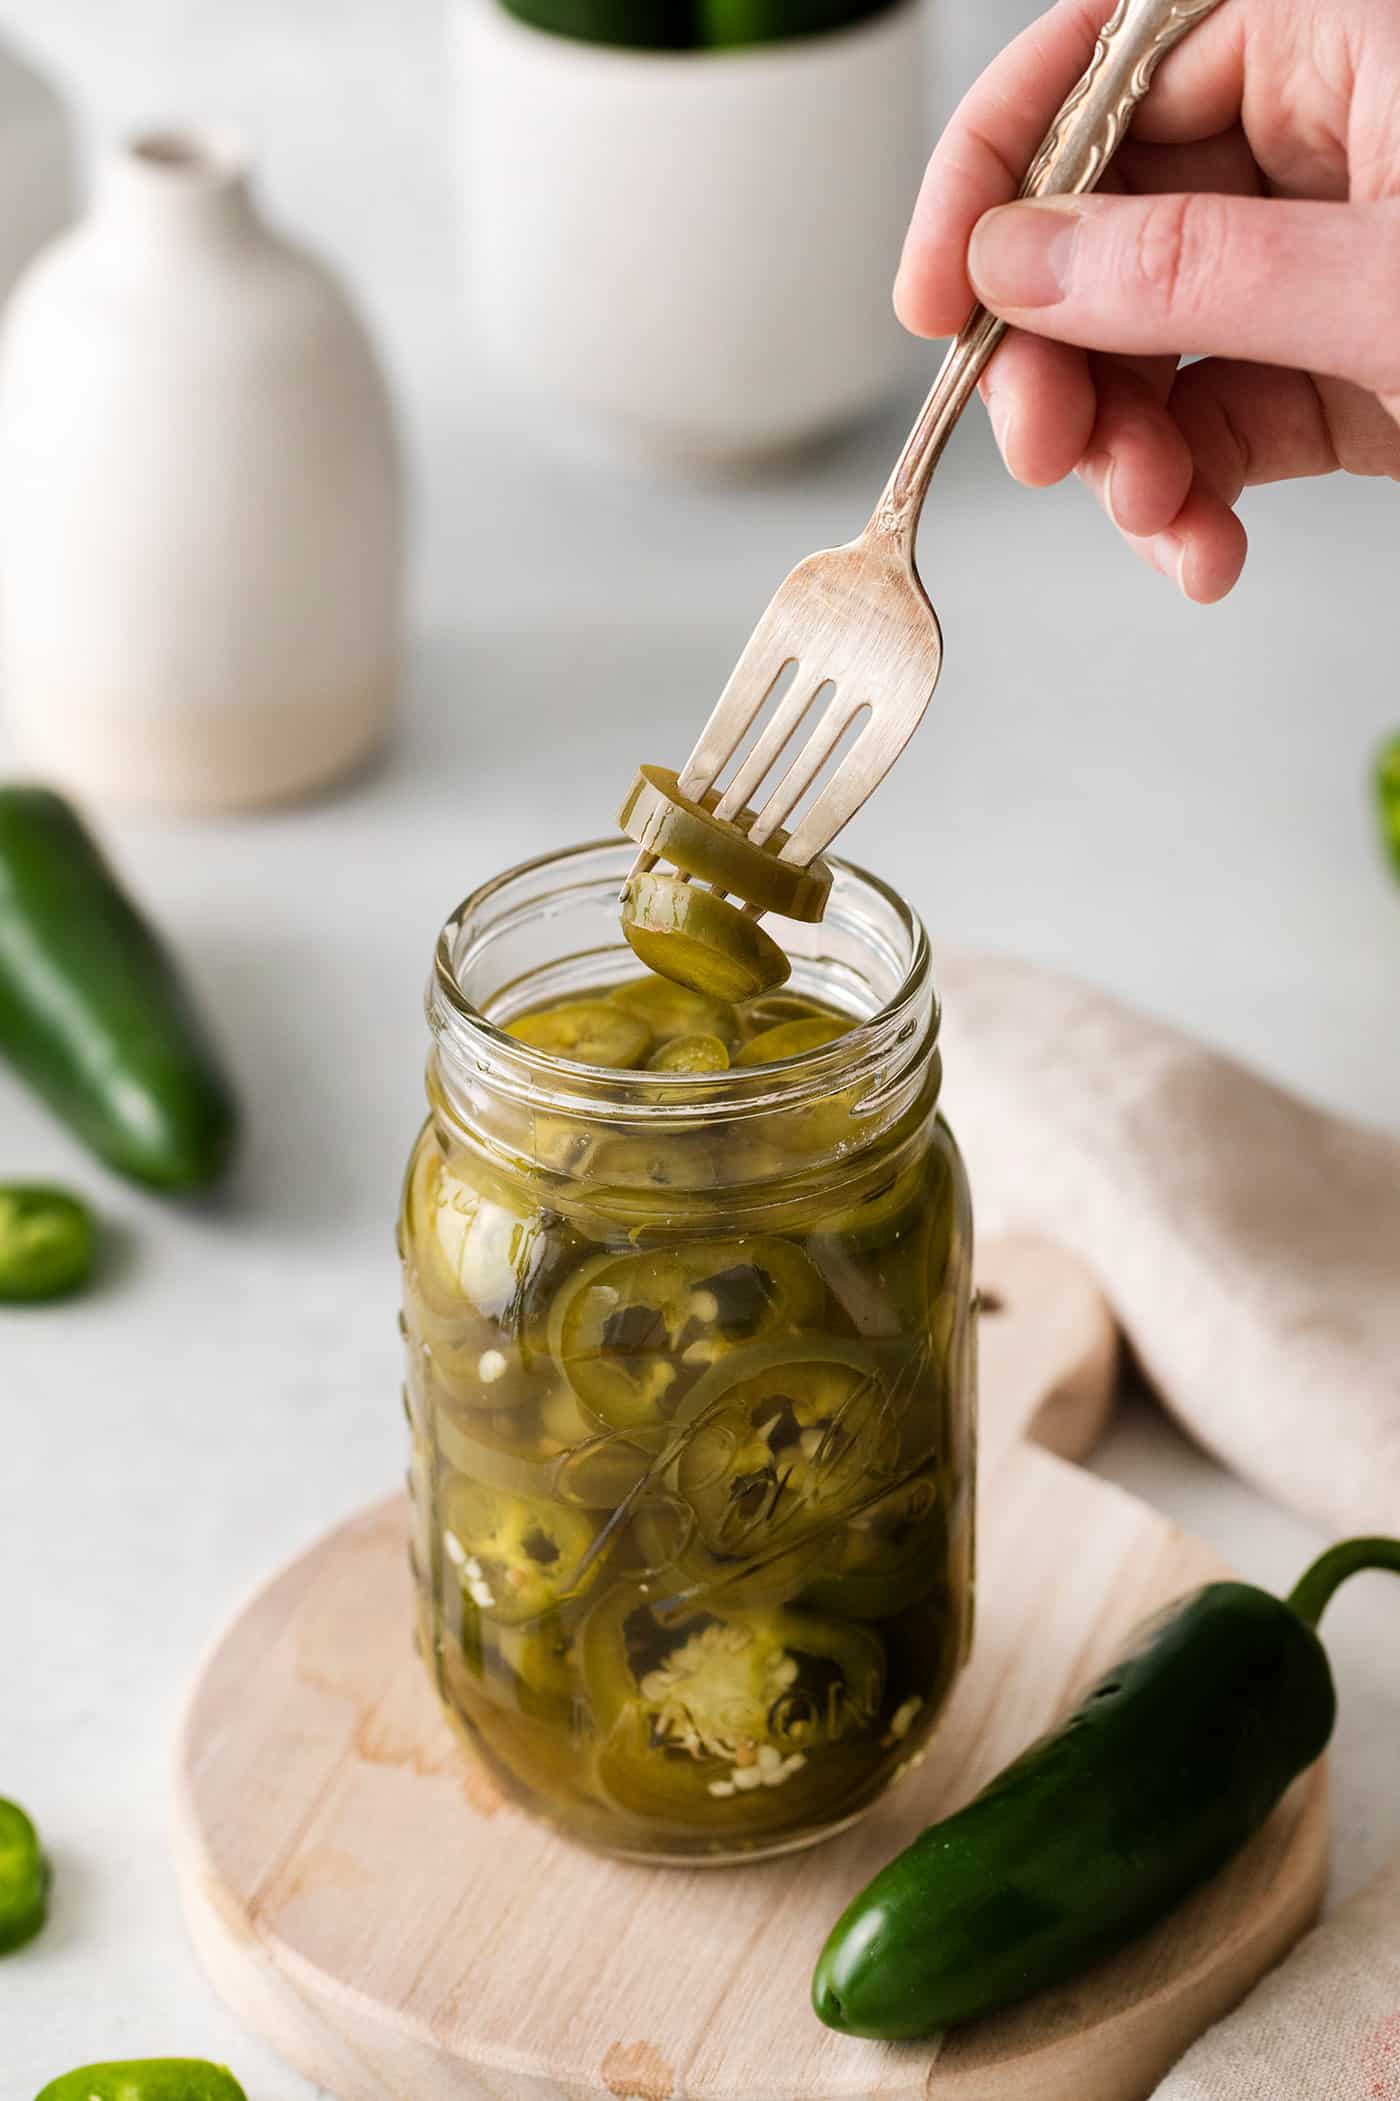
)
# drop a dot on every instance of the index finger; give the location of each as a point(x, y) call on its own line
point(993, 137)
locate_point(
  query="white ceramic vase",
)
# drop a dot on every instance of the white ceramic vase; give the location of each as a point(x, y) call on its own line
point(38, 191)
point(199, 500)
point(693, 250)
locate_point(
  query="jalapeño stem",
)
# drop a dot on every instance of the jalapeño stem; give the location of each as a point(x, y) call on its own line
point(1315, 1590)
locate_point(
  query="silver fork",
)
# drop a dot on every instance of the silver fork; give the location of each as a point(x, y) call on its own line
point(857, 618)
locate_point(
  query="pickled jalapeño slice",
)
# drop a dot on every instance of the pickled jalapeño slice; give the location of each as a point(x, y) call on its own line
point(718, 850)
point(892, 1554)
point(706, 1718)
point(632, 1332)
point(690, 1054)
point(587, 1032)
point(516, 1556)
point(771, 1008)
point(793, 1039)
point(669, 1009)
point(802, 1434)
point(24, 1879)
point(699, 939)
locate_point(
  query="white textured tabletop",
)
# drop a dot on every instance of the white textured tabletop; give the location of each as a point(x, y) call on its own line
point(1169, 801)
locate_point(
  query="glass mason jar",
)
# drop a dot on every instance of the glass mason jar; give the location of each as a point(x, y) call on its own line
point(691, 1381)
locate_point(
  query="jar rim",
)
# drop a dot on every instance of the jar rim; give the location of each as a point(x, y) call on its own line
point(739, 1090)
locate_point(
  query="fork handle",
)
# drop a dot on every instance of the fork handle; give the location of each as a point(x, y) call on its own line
point(1078, 147)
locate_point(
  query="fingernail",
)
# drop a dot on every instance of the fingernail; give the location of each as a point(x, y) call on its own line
point(1108, 502)
point(1169, 552)
point(1003, 420)
point(1098, 470)
point(1020, 254)
point(903, 284)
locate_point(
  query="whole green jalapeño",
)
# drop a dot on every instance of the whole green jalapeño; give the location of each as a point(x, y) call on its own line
point(690, 1370)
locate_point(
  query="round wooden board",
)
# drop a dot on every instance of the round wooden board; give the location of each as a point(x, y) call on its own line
point(363, 1897)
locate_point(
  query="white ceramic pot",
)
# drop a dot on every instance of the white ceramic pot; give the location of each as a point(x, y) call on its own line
point(199, 500)
point(38, 191)
point(695, 249)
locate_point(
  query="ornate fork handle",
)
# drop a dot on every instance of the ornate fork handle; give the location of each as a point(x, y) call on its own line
point(1078, 147)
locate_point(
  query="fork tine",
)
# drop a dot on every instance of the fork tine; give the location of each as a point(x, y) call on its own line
point(806, 766)
point(749, 685)
point(786, 716)
point(643, 865)
point(850, 787)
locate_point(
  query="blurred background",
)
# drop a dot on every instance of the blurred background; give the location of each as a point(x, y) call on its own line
point(1174, 803)
point(1169, 800)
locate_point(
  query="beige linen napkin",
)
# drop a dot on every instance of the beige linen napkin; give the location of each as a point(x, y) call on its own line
point(1250, 1244)
point(1324, 2027)
point(1251, 1248)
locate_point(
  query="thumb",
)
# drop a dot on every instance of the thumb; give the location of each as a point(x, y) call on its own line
point(1310, 285)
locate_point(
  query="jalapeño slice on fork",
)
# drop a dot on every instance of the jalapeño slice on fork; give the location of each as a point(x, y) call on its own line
point(699, 939)
point(674, 827)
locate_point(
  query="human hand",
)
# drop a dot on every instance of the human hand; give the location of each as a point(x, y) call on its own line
point(1256, 226)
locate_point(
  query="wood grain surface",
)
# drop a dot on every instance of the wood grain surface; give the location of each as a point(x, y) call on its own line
point(365, 1899)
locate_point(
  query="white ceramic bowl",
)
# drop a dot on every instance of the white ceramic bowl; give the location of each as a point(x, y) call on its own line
point(693, 250)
